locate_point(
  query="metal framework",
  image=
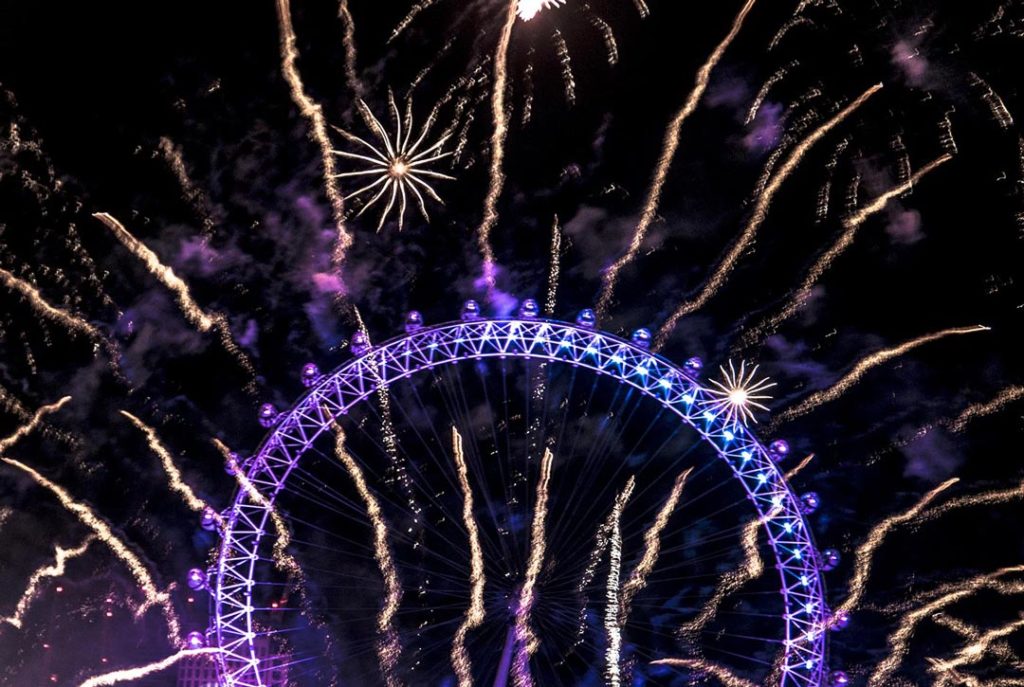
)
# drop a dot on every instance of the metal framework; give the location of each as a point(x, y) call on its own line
point(805, 615)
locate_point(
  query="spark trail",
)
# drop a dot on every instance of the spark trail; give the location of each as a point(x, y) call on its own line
point(612, 608)
point(196, 316)
point(899, 641)
point(526, 640)
point(132, 674)
point(864, 557)
point(850, 225)
point(389, 649)
point(103, 532)
point(993, 497)
point(972, 653)
point(475, 613)
point(51, 312)
point(499, 114)
point(979, 410)
point(719, 672)
point(193, 195)
point(554, 271)
point(757, 217)
point(865, 365)
point(174, 478)
point(349, 42)
point(652, 547)
point(32, 424)
point(55, 569)
point(670, 145)
point(314, 113)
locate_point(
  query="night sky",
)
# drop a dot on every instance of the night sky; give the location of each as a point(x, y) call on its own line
point(94, 95)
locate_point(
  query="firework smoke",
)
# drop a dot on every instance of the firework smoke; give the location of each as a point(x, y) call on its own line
point(668, 152)
point(55, 569)
point(103, 532)
point(863, 366)
point(760, 212)
point(851, 225)
point(526, 640)
point(475, 612)
point(389, 648)
point(719, 672)
point(132, 674)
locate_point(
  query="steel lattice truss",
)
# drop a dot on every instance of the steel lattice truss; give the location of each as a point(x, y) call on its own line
point(806, 616)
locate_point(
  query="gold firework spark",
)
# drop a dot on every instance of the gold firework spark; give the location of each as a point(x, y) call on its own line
point(174, 478)
point(554, 270)
point(32, 424)
point(865, 365)
point(738, 394)
point(475, 613)
point(132, 674)
point(612, 609)
point(988, 498)
point(389, 649)
point(313, 112)
point(717, 671)
point(526, 640)
point(972, 653)
point(56, 569)
point(103, 532)
point(397, 164)
point(668, 152)
point(193, 195)
point(979, 410)
point(349, 42)
point(851, 225)
point(51, 312)
point(757, 217)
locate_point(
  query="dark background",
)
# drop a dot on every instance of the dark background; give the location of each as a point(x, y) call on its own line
point(90, 89)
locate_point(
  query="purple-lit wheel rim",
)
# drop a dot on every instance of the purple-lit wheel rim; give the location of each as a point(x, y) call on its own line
point(805, 612)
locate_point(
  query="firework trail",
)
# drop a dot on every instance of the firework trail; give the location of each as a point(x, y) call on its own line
point(189, 308)
point(32, 424)
point(349, 41)
point(611, 47)
point(652, 547)
point(103, 531)
point(863, 366)
point(774, 79)
point(864, 557)
point(851, 225)
point(408, 18)
point(972, 653)
point(526, 640)
point(565, 61)
point(612, 608)
point(900, 640)
point(132, 674)
point(313, 112)
point(193, 195)
point(554, 271)
point(719, 672)
point(798, 468)
point(499, 115)
point(528, 9)
point(55, 569)
point(763, 203)
point(475, 612)
point(1000, 649)
point(979, 410)
point(389, 650)
point(174, 478)
point(50, 312)
point(994, 497)
point(995, 103)
point(12, 405)
point(668, 152)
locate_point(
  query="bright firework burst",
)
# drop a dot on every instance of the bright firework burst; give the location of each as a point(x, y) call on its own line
point(738, 394)
point(398, 164)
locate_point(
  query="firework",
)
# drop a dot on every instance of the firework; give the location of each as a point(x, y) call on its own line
point(738, 394)
point(866, 364)
point(668, 152)
point(498, 136)
point(193, 195)
point(719, 672)
point(565, 60)
point(900, 639)
point(757, 217)
point(32, 424)
point(11, 404)
point(389, 650)
point(1000, 649)
point(132, 674)
point(349, 42)
point(798, 468)
point(174, 478)
point(555, 268)
point(993, 497)
point(397, 165)
point(475, 612)
point(528, 9)
point(850, 226)
point(612, 609)
point(103, 531)
point(652, 547)
point(865, 555)
point(972, 653)
point(979, 410)
point(61, 556)
point(313, 112)
point(50, 312)
point(526, 640)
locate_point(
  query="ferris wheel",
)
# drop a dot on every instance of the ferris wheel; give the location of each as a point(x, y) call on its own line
point(516, 500)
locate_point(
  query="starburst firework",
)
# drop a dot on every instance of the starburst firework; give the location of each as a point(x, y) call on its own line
point(528, 9)
point(398, 163)
point(738, 394)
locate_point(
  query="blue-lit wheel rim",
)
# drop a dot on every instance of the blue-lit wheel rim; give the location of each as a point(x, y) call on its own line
point(804, 609)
